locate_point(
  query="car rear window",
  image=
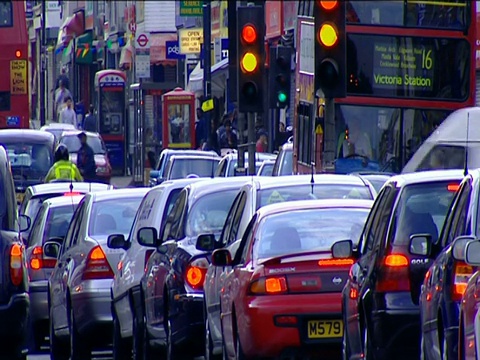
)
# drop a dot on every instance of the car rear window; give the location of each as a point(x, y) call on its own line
point(298, 231)
point(304, 192)
point(181, 168)
point(35, 203)
point(422, 209)
point(286, 166)
point(57, 222)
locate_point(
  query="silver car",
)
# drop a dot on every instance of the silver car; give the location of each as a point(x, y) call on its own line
point(79, 287)
point(51, 223)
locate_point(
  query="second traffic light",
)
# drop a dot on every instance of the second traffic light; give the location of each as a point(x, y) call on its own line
point(279, 75)
point(251, 53)
point(330, 48)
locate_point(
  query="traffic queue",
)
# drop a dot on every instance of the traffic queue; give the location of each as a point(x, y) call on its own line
point(205, 262)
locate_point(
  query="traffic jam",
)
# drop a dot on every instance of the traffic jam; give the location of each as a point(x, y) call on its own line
point(204, 263)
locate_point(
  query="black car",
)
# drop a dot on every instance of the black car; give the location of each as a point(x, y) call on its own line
point(14, 299)
point(31, 154)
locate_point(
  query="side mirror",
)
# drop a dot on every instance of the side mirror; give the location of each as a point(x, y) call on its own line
point(154, 174)
point(117, 241)
point(472, 253)
point(221, 257)
point(205, 242)
point(24, 222)
point(51, 248)
point(342, 249)
point(420, 244)
point(147, 236)
point(459, 245)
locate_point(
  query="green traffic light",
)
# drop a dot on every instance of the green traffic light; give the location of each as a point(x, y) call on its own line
point(282, 97)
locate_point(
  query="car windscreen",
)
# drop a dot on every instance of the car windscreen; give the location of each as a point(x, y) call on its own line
point(443, 156)
point(181, 168)
point(209, 212)
point(57, 222)
point(267, 170)
point(286, 166)
point(72, 142)
point(234, 164)
point(113, 216)
point(29, 160)
point(422, 209)
point(35, 203)
point(307, 229)
point(304, 192)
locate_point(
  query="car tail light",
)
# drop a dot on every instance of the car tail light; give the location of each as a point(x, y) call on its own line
point(453, 187)
point(269, 285)
point(461, 274)
point(72, 193)
point(16, 264)
point(196, 272)
point(393, 274)
point(335, 262)
point(97, 266)
point(37, 261)
point(148, 253)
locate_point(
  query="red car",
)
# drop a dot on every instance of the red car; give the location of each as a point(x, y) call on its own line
point(282, 297)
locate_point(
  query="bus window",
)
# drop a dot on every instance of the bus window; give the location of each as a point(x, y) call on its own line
point(4, 100)
point(6, 14)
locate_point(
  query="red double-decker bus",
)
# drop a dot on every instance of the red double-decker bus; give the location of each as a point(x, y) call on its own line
point(14, 101)
point(409, 65)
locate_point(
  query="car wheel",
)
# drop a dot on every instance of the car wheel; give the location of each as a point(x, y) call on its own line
point(58, 348)
point(121, 347)
point(367, 345)
point(79, 347)
point(209, 344)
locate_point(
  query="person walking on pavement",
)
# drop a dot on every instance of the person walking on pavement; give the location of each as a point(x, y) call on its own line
point(90, 122)
point(61, 94)
point(63, 169)
point(228, 139)
point(63, 78)
point(68, 115)
point(200, 129)
point(86, 159)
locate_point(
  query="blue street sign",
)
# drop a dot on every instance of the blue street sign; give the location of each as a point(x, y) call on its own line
point(224, 49)
point(173, 50)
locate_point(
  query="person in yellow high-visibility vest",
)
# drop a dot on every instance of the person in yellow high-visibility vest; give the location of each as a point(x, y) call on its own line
point(63, 169)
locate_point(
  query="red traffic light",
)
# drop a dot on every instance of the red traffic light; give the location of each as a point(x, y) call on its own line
point(249, 34)
point(328, 4)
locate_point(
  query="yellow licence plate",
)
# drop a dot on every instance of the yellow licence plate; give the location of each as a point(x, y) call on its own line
point(20, 197)
point(320, 329)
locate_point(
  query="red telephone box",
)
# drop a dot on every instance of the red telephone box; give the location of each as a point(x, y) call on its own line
point(179, 119)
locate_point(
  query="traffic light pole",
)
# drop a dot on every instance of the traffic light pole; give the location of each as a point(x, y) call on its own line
point(207, 61)
point(43, 59)
point(329, 138)
point(251, 143)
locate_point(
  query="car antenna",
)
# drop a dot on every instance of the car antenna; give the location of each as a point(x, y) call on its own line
point(312, 178)
point(465, 169)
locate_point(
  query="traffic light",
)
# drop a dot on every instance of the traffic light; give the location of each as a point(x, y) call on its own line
point(251, 54)
point(279, 75)
point(330, 48)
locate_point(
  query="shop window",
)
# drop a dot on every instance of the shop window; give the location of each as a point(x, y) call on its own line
point(305, 136)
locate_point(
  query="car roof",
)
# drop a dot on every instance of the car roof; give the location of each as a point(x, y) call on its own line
point(258, 156)
point(177, 183)
point(425, 177)
point(268, 182)
point(314, 204)
point(76, 132)
point(196, 157)
point(58, 126)
point(188, 152)
point(213, 185)
point(27, 135)
point(287, 146)
point(119, 193)
point(41, 189)
point(63, 200)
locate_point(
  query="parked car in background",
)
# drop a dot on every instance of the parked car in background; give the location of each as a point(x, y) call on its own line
point(31, 154)
point(127, 302)
point(266, 169)
point(172, 286)
point(377, 179)
point(228, 164)
point(79, 287)
point(57, 129)
point(37, 194)
point(95, 141)
point(285, 281)
point(14, 298)
point(157, 175)
point(253, 195)
point(284, 162)
point(51, 223)
point(380, 300)
point(181, 166)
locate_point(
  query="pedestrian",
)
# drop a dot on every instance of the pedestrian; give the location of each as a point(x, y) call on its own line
point(86, 159)
point(63, 78)
point(63, 168)
point(212, 143)
point(200, 129)
point(262, 143)
point(221, 129)
point(61, 94)
point(229, 139)
point(90, 122)
point(68, 115)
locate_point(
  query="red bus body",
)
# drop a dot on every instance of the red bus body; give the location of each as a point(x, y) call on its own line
point(434, 42)
point(14, 100)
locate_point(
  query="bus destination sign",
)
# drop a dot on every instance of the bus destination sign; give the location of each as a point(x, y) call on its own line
point(398, 65)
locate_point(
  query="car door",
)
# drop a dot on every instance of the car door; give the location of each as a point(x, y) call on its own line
point(58, 279)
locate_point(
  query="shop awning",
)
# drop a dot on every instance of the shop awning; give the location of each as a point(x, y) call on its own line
point(126, 56)
point(72, 26)
point(158, 48)
point(84, 49)
point(219, 77)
